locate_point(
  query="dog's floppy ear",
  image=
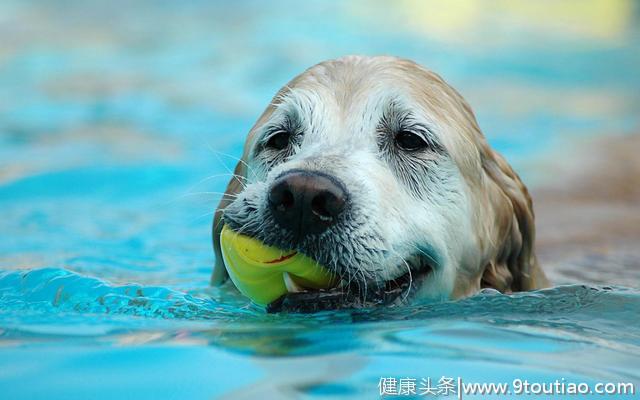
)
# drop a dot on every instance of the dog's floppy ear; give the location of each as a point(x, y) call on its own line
point(513, 265)
point(234, 187)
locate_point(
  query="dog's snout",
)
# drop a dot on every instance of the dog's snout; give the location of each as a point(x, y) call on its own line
point(306, 202)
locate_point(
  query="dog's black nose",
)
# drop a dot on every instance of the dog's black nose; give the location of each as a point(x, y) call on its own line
point(306, 202)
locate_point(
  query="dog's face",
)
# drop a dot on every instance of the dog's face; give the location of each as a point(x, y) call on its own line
point(376, 168)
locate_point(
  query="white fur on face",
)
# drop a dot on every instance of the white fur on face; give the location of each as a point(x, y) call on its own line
point(401, 207)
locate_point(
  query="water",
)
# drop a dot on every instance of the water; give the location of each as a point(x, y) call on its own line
point(119, 124)
point(78, 335)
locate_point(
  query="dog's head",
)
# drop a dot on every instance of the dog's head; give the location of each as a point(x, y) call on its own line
point(377, 169)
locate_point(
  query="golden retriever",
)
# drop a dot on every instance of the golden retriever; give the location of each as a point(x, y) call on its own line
point(378, 170)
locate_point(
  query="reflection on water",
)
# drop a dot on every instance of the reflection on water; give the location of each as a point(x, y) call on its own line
point(119, 124)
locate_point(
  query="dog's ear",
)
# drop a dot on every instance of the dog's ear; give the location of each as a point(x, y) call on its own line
point(234, 187)
point(513, 265)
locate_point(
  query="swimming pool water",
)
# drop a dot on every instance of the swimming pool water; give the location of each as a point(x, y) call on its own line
point(79, 337)
point(120, 123)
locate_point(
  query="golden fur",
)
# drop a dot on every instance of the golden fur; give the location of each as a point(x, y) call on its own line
point(501, 216)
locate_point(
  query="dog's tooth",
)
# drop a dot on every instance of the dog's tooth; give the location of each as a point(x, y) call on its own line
point(291, 285)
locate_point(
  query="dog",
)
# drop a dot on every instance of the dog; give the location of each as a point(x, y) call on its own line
point(377, 169)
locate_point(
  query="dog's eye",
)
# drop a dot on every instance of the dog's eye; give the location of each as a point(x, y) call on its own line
point(279, 140)
point(410, 141)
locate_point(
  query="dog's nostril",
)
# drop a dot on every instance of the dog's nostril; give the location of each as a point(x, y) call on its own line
point(319, 207)
point(286, 201)
point(281, 197)
point(327, 206)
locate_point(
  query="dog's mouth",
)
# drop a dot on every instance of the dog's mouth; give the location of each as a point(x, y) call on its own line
point(355, 294)
point(348, 293)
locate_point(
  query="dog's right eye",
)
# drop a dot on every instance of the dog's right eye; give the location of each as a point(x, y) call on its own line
point(279, 140)
point(410, 141)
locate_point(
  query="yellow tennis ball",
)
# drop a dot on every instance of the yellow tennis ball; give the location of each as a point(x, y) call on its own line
point(260, 272)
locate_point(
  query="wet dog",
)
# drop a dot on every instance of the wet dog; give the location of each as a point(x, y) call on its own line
point(377, 169)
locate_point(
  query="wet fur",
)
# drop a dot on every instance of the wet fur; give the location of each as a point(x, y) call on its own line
point(479, 214)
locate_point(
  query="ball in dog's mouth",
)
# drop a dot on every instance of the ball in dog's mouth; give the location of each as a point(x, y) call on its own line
point(264, 273)
point(283, 280)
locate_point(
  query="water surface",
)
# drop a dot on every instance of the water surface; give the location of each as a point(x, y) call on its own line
point(120, 124)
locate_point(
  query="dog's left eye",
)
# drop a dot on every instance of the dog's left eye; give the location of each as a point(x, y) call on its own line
point(279, 140)
point(409, 141)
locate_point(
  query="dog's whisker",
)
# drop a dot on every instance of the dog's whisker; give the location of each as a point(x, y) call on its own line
point(207, 214)
point(239, 160)
point(221, 194)
point(216, 152)
point(241, 181)
point(221, 175)
point(364, 283)
point(406, 296)
point(404, 261)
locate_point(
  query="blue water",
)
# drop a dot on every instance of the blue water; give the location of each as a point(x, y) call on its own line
point(119, 124)
point(79, 337)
